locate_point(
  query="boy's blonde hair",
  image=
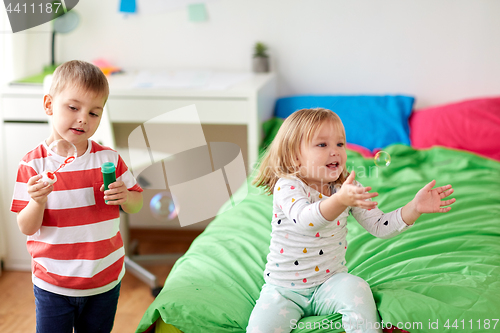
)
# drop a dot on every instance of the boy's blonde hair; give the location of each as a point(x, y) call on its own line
point(82, 75)
point(280, 158)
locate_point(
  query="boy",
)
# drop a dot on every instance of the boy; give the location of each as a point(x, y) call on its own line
point(73, 234)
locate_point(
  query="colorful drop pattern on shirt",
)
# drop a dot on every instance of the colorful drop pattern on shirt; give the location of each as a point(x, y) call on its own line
point(311, 267)
point(296, 263)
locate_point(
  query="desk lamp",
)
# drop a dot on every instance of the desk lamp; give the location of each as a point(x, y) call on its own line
point(62, 25)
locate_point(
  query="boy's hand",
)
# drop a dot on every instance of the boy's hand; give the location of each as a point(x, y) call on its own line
point(428, 200)
point(39, 191)
point(117, 193)
point(355, 196)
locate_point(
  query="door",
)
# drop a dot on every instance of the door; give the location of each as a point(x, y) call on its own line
point(19, 138)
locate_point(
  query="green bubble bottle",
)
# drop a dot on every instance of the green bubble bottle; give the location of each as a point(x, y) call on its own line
point(108, 174)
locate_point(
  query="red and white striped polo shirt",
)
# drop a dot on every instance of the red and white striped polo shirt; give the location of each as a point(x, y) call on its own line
point(78, 251)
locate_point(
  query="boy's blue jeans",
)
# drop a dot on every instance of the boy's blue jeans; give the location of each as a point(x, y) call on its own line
point(91, 314)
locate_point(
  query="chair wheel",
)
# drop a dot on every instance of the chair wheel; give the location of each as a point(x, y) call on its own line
point(155, 291)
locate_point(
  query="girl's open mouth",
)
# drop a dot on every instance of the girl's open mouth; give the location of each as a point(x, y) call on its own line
point(333, 166)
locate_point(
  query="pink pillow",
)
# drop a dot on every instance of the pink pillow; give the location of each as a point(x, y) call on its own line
point(472, 125)
point(365, 152)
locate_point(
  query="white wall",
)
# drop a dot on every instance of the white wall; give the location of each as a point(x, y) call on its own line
point(436, 50)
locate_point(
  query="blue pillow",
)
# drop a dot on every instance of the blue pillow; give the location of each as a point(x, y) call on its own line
point(370, 121)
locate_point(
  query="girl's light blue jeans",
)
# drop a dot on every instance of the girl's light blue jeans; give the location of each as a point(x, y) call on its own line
point(279, 309)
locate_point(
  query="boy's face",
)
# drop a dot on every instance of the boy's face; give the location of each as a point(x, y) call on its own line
point(324, 158)
point(76, 114)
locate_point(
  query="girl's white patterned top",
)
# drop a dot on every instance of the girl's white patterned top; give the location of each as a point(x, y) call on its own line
point(306, 249)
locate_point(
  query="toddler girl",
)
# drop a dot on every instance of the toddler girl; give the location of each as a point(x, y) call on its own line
point(306, 274)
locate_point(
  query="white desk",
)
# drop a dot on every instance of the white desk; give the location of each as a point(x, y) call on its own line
point(24, 125)
point(248, 103)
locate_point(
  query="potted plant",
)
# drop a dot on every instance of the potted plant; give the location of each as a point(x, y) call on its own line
point(260, 58)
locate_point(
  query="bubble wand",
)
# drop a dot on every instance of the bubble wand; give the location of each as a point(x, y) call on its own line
point(62, 148)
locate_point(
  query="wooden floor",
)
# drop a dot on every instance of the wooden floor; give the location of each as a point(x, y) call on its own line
point(17, 303)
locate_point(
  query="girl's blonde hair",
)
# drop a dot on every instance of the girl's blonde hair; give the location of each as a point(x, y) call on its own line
point(82, 75)
point(279, 160)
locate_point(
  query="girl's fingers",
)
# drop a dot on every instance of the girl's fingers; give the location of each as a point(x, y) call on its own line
point(366, 196)
point(358, 190)
point(350, 178)
point(370, 206)
point(366, 204)
point(447, 202)
point(446, 193)
point(446, 187)
point(430, 185)
point(444, 210)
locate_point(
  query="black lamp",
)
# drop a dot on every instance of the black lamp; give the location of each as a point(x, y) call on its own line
point(62, 25)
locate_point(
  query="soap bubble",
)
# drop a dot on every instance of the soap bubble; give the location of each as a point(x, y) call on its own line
point(382, 159)
point(65, 149)
point(162, 206)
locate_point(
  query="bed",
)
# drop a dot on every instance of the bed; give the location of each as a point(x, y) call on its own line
point(442, 275)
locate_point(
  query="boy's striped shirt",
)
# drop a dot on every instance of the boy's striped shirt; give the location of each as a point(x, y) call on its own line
point(78, 251)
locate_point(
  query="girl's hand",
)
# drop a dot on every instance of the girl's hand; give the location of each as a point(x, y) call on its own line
point(428, 200)
point(39, 191)
point(117, 193)
point(355, 196)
